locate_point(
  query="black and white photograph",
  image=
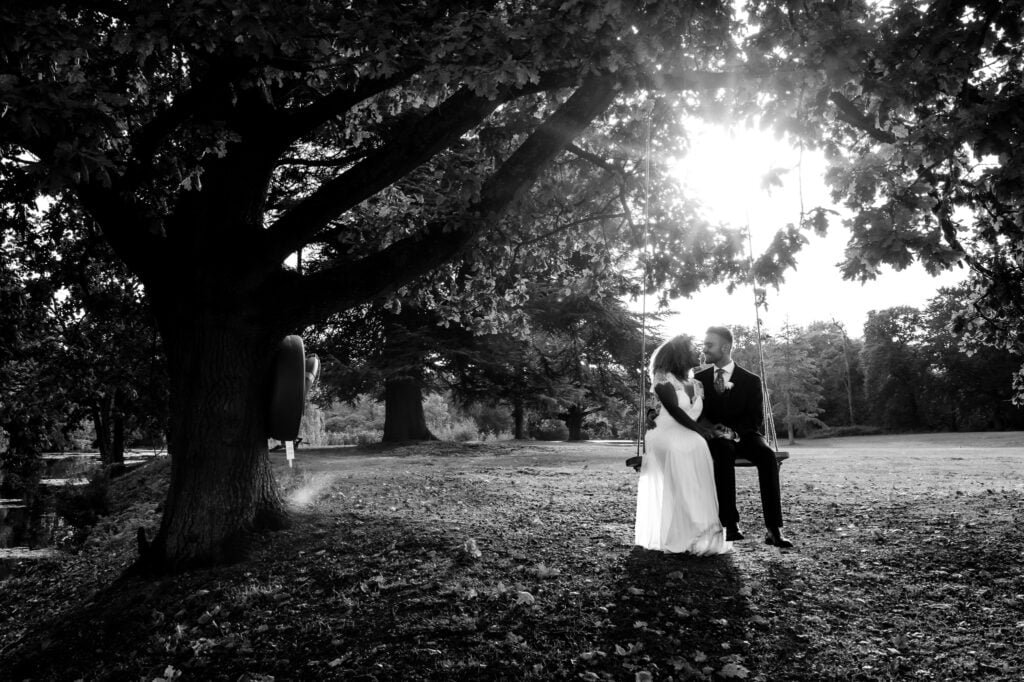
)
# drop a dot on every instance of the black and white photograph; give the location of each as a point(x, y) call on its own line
point(584, 340)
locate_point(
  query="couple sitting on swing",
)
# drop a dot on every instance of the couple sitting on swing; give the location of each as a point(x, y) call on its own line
point(686, 494)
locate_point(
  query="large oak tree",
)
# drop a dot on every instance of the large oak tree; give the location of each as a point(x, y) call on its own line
point(213, 139)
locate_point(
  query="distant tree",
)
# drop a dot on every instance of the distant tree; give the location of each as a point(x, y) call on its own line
point(111, 364)
point(575, 231)
point(839, 371)
point(91, 351)
point(504, 369)
point(744, 347)
point(413, 353)
point(795, 387)
point(28, 338)
point(972, 391)
point(895, 373)
point(588, 350)
point(387, 354)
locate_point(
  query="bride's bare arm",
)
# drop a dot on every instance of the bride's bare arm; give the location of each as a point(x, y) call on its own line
point(666, 393)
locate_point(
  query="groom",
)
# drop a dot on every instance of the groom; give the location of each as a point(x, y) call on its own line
point(733, 403)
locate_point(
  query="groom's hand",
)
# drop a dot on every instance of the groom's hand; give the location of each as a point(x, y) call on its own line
point(723, 431)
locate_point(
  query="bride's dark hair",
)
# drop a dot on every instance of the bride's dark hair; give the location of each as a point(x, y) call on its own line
point(676, 356)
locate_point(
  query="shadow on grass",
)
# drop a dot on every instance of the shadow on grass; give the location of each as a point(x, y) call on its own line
point(679, 614)
point(326, 599)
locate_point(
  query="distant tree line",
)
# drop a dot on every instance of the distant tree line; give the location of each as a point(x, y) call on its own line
point(911, 371)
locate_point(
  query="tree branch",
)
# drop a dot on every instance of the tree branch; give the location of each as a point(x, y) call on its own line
point(679, 81)
point(377, 275)
point(208, 96)
point(412, 147)
point(307, 119)
point(339, 162)
point(131, 234)
point(565, 227)
point(149, 137)
point(849, 113)
point(594, 159)
point(111, 8)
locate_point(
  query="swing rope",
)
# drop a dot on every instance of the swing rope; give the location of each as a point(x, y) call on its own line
point(769, 418)
point(641, 431)
point(766, 401)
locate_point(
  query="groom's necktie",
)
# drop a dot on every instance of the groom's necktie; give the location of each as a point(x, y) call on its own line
point(720, 380)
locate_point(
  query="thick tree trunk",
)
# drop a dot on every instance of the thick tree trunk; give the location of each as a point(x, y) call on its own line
point(222, 487)
point(117, 445)
point(518, 420)
point(102, 427)
point(573, 418)
point(403, 411)
point(108, 420)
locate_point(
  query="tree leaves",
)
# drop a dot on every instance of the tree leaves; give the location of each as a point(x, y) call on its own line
point(733, 671)
point(525, 598)
point(923, 150)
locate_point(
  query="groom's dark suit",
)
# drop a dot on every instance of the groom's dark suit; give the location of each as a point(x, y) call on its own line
point(741, 409)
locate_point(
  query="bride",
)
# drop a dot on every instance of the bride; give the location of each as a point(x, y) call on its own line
point(676, 505)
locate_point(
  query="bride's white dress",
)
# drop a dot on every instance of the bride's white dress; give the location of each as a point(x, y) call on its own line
point(676, 504)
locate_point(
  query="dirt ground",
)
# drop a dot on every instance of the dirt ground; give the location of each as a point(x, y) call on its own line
point(514, 560)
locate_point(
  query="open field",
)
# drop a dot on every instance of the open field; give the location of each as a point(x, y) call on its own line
point(514, 560)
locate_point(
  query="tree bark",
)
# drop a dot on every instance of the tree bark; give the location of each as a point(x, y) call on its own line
point(573, 418)
point(100, 425)
point(518, 419)
point(403, 411)
point(222, 487)
point(116, 454)
point(108, 421)
point(789, 419)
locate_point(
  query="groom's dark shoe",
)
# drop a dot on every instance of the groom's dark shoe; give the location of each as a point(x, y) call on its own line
point(775, 537)
point(732, 533)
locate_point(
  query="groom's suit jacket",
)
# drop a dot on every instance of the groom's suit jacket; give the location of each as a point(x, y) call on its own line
point(741, 408)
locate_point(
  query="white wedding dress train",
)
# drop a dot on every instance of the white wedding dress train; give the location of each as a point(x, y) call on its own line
point(676, 503)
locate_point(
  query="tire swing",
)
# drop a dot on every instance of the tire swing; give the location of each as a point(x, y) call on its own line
point(295, 374)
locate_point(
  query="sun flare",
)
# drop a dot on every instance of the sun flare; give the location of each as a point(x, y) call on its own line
point(725, 170)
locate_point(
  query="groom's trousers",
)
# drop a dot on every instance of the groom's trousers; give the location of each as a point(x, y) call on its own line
point(753, 447)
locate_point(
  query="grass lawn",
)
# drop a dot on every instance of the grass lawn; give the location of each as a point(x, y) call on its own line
point(514, 560)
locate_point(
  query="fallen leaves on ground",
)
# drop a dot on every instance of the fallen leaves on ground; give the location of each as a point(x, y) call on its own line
point(515, 561)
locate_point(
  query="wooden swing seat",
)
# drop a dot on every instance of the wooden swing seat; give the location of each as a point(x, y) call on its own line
point(780, 457)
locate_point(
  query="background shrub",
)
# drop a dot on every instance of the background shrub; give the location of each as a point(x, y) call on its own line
point(551, 429)
point(839, 431)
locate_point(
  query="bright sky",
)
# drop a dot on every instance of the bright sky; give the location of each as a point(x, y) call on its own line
point(724, 170)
